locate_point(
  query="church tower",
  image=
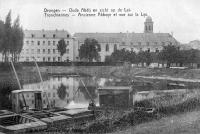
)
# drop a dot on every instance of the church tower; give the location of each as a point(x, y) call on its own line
point(148, 25)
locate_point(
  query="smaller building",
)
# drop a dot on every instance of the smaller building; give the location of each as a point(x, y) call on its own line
point(115, 96)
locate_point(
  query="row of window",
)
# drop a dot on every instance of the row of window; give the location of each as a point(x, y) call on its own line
point(32, 51)
point(148, 43)
point(44, 35)
point(139, 43)
point(148, 49)
point(54, 59)
point(43, 42)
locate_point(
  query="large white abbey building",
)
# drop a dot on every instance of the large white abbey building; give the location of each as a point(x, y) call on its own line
point(42, 44)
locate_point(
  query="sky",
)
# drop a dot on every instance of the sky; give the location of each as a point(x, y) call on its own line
point(180, 17)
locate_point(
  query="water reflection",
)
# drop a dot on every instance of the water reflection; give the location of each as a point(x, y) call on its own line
point(67, 92)
point(70, 92)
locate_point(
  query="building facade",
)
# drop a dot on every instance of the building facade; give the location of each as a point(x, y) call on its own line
point(146, 41)
point(42, 45)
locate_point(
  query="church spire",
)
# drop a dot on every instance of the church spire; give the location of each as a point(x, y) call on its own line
point(148, 25)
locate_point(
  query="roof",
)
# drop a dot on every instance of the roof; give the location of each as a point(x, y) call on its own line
point(26, 90)
point(115, 88)
point(48, 33)
point(126, 37)
point(148, 19)
point(101, 37)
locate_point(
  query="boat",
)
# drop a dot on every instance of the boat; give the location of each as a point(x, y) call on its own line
point(34, 107)
point(16, 123)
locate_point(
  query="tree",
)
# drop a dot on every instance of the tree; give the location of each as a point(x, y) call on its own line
point(62, 47)
point(1, 36)
point(7, 43)
point(89, 50)
point(170, 54)
point(17, 38)
point(62, 92)
point(144, 57)
point(11, 38)
point(122, 55)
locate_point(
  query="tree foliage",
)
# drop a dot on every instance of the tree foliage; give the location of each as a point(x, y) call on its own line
point(170, 54)
point(62, 47)
point(89, 50)
point(130, 56)
point(122, 56)
point(11, 38)
point(62, 92)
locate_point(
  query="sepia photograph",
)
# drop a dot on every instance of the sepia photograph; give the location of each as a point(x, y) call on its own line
point(99, 67)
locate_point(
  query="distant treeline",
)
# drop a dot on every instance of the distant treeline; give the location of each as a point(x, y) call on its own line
point(21, 64)
point(168, 55)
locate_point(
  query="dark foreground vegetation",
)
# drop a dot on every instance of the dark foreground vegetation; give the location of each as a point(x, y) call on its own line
point(113, 119)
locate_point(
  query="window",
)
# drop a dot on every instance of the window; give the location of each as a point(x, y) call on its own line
point(32, 42)
point(67, 35)
point(49, 94)
point(49, 43)
point(54, 95)
point(43, 58)
point(58, 58)
point(157, 50)
point(43, 35)
point(27, 51)
point(38, 51)
point(54, 42)
point(38, 43)
point(107, 48)
point(27, 58)
point(146, 28)
point(123, 43)
point(43, 51)
point(54, 51)
point(147, 43)
point(115, 47)
point(54, 59)
point(149, 28)
point(156, 43)
point(27, 42)
point(131, 43)
point(32, 35)
point(67, 51)
point(49, 58)
point(67, 43)
point(54, 35)
point(32, 51)
point(43, 42)
point(48, 51)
